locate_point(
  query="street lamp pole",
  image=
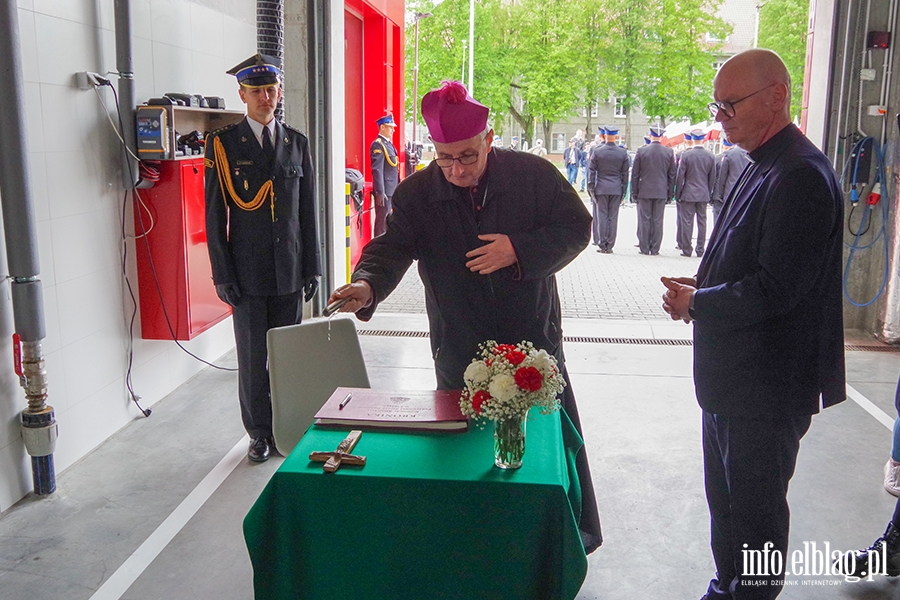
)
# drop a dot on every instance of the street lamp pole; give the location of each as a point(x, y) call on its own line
point(416, 78)
point(471, 46)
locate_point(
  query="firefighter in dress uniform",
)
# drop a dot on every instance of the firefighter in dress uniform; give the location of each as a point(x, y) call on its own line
point(261, 231)
point(385, 171)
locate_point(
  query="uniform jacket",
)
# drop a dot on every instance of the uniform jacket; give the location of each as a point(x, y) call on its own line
point(728, 168)
point(695, 179)
point(526, 198)
point(385, 175)
point(609, 164)
point(263, 256)
point(768, 334)
point(653, 172)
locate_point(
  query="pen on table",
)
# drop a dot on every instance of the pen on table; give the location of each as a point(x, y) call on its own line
point(345, 401)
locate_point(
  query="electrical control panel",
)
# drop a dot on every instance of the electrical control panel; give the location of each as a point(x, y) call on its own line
point(152, 133)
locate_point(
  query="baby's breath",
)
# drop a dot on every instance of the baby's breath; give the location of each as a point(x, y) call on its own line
point(505, 381)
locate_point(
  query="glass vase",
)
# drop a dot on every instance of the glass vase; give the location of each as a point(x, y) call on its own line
point(509, 442)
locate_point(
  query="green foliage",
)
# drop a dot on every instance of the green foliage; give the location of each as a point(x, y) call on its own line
point(546, 60)
point(783, 28)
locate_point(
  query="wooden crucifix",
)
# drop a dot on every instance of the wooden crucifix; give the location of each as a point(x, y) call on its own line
point(341, 455)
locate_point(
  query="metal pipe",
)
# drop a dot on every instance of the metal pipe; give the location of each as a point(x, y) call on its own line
point(838, 121)
point(887, 73)
point(270, 38)
point(125, 71)
point(38, 425)
point(862, 65)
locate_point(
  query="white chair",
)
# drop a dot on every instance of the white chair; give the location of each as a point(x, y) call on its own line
point(306, 363)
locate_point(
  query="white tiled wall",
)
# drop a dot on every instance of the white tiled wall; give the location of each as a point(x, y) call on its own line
point(178, 46)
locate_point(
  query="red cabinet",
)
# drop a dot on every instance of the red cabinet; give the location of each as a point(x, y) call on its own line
point(172, 257)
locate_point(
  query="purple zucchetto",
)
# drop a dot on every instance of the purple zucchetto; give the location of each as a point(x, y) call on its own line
point(452, 115)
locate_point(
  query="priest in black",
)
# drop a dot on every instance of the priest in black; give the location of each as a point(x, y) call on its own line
point(489, 228)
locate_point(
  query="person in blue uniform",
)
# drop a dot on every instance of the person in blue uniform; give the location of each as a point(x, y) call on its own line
point(261, 231)
point(385, 171)
point(695, 180)
point(652, 184)
point(609, 166)
point(489, 229)
point(728, 168)
point(766, 307)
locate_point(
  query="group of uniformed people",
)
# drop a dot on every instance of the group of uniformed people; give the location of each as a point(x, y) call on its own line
point(694, 178)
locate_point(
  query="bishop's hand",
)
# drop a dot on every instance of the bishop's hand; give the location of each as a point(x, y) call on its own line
point(497, 254)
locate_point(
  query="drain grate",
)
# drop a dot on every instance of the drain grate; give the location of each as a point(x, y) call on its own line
point(633, 341)
point(616, 340)
point(393, 333)
point(864, 348)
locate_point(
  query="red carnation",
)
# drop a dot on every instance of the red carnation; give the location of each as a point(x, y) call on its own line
point(529, 379)
point(502, 349)
point(515, 357)
point(478, 399)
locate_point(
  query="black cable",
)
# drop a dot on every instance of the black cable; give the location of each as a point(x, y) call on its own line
point(128, 384)
point(868, 223)
point(140, 220)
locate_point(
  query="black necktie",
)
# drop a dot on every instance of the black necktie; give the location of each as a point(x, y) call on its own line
point(268, 148)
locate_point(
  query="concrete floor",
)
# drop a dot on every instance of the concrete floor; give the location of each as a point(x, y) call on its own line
point(642, 430)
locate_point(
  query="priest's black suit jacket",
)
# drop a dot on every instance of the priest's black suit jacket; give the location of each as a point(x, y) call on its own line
point(768, 329)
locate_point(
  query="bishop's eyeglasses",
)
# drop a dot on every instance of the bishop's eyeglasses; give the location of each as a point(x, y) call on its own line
point(727, 108)
point(464, 159)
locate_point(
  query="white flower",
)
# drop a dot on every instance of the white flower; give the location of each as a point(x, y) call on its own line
point(543, 361)
point(503, 387)
point(477, 372)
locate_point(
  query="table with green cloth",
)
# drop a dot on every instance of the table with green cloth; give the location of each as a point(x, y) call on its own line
point(428, 516)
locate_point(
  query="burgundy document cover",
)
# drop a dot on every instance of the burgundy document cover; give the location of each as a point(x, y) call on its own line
point(418, 409)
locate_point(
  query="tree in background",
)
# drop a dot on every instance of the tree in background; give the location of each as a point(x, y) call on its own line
point(545, 60)
point(678, 81)
point(783, 28)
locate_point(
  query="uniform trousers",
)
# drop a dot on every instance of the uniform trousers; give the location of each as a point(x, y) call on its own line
point(606, 219)
point(686, 213)
point(650, 224)
point(717, 209)
point(381, 214)
point(747, 465)
point(253, 317)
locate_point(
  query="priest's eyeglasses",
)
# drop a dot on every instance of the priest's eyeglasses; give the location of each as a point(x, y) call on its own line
point(727, 108)
point(446, 162)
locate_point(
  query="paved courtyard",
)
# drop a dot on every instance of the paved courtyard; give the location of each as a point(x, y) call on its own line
point(622, 285)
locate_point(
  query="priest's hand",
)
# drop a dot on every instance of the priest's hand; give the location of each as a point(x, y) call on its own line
point(358, 294)
point(677, 298)
point(497, 254)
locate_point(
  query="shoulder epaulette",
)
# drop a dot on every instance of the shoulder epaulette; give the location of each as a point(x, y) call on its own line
point(222, 129)
point(294, 129)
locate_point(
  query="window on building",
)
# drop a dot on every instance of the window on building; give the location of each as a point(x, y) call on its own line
point(718, 64)
point(559, 142)
point(594, 111)
point(620, 106)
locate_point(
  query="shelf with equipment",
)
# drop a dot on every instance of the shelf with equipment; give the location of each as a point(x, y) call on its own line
point(159, 128)
point(177, 296)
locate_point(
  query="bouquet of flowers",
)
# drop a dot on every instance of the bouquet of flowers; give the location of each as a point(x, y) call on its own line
point(508, 380)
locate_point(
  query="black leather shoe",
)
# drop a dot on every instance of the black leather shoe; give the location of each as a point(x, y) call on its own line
point(699, 253)
point(260, 448)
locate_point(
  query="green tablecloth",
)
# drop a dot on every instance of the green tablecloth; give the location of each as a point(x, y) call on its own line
point(429, 516)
